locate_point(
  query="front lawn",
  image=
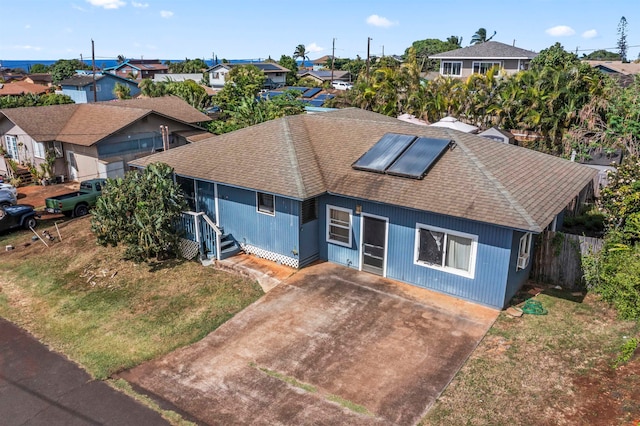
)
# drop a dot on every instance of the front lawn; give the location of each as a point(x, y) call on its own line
point(105, 313)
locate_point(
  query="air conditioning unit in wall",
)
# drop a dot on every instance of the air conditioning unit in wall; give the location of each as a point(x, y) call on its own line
point(523, 261)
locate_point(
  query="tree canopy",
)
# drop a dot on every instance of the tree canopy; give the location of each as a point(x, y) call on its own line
point(188, 66)
point(140, 211)
point(65, 68)
point(30, 99)
point(601, 55)
point(480, 36)
point(425, 48)
point(554, 57)
point(290, 63)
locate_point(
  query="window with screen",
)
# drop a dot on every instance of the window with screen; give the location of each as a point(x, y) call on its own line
point(339, 226)
point(266, 203)
point(451, 251)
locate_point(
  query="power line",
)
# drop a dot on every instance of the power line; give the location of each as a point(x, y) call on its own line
point(603, 48)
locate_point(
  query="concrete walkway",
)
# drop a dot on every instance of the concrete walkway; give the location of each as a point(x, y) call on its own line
point(40, 387)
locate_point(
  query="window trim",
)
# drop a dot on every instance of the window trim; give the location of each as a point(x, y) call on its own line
point(450, 62)
point(473, 66)
point(472, 256)
point(329, 224)
point(13, 150)
point(267, 212)
point(39, 150)
point(526, 239)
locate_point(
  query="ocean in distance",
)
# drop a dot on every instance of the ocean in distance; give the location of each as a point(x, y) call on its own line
point(104, 63)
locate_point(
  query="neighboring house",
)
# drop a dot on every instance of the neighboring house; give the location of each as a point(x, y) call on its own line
point(80, 87)
point(449, 122)
point(623, 72)
point(22, 87)
point(138, 69)
point(44, 79)
point(94, 140)
point(499, 135)
point(429, 206)
point(197, 77)
point(321, 63)
point(276, 74)
point(605, 160)
point(324, 76)
point(481, 57)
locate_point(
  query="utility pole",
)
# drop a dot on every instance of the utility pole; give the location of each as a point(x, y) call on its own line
point(93, 67)
point(383, 50)
point(164, 131)
point(368, 53)
point(333, 59)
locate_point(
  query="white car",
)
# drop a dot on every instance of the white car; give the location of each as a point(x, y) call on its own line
point(342, 85)
point(10, 188)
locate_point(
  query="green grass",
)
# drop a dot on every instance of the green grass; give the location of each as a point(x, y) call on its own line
point(69, 297)
point(350, 405)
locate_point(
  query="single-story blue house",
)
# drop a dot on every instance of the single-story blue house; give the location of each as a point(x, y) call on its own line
point(428, 206)
point(79, 87)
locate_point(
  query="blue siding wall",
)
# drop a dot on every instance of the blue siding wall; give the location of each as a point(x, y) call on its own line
point(104, 93)
point(309, 246)
point(239, 216)
point(205, 199)
point(492, 259)
point(517, 277)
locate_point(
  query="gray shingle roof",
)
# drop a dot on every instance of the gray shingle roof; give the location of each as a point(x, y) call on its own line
point(487, 50)
point(307, 155)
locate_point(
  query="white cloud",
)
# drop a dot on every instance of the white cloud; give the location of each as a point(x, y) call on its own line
point(166, 13)
point(590, 34)
point(314, 48)
point(76, 7)
point(139, 5)
point(107, 4)
point(26, 27)
point(560, 31)
point(379, 21)
point(26, 47)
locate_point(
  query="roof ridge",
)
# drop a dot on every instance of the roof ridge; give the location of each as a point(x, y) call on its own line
point(495, 182)
point(293, 157)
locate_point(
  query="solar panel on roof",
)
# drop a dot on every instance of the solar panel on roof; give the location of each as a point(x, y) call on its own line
point(311, 92)
point(325, 96)
point(299, 89)
point(383, 153)
point(416, 160)
point(316, 102)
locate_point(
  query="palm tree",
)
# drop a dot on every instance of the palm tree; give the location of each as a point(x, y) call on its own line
point(481, 36)
point(455, 40)
point(122, 91)
point(121, 59)
point(301, 52)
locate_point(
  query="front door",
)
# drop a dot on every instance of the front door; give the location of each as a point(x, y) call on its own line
point(374, 244)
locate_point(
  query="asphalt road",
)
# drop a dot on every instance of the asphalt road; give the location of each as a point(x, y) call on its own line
point(41, 387)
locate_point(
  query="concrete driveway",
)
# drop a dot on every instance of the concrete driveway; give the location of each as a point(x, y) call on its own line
point(328, 346)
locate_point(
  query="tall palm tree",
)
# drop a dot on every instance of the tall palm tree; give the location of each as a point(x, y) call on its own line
point(481, 36)
point(121, 59)
point(301, 52)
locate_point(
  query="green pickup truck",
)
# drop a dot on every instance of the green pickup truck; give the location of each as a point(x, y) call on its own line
point(77, 203)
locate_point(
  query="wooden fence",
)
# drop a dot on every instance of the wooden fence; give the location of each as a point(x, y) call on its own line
point(558, 258)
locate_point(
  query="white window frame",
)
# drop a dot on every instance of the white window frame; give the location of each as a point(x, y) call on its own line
point(57, 148)
point(339, 225)
point(265, 211)
point(524, 251)
point(479, 63)
point(472, 256)
point(39, 150)
point(452, 65)
point(12, 146)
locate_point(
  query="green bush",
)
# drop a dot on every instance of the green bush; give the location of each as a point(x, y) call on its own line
point(614, 273)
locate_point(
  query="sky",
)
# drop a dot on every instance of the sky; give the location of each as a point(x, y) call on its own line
point(258, 29)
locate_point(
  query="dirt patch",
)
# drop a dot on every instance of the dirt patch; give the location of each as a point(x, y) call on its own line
point(35, 195)
point(607, 396)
